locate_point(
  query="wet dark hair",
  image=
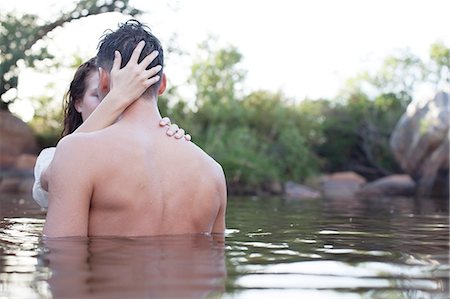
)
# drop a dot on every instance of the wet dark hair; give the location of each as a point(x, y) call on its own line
point(125, 40)
point(77, 89)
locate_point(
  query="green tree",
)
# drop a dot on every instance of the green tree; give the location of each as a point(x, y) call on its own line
point(217, 74)
point(47, 122)
point(19, 32)
point(399, 74)
point(258, 138)
point(439, 68)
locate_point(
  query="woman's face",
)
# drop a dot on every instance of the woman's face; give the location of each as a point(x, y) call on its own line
point(90, 100)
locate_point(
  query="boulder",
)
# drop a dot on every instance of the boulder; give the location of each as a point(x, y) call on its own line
point(16, 138)
point(341, 185)
point(17, 184)
point(26, 186)
point(392, 185)
point(297, 191)
point(25, 162)
point(274, 188)
point(420, 143)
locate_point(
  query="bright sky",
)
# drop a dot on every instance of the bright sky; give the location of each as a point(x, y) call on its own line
point(304, 48)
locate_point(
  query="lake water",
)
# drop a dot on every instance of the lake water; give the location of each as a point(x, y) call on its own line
point(273, 248)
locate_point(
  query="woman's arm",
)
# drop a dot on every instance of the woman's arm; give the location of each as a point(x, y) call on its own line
point(127, 85)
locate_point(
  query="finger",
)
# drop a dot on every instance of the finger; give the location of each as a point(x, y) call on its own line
point(179, 134)
point(117, 60)
point(151, 81)
point(137, 52)
point(153, 71)
point(187, 137)
point(172, 129)
point(148, 59)
point(165, 121)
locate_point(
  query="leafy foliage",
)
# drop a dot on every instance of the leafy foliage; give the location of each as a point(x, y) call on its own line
point(259, 138)
point(19, 32)
point(357, 135)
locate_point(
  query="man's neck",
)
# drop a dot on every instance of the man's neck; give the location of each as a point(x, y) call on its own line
point(143, 111)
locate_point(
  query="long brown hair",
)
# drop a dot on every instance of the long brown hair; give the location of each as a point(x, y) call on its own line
point(77, 89)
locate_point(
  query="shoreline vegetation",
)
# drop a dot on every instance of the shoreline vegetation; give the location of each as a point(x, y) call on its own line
point(264, 139)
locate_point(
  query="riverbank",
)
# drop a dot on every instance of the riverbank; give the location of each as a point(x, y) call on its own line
point(340, 185)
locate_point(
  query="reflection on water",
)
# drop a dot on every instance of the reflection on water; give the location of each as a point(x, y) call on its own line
point(189, 266)
point(159, 267)
point(274, 248)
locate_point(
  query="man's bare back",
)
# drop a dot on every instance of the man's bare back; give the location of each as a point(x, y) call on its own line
point(150, 184)
point(138, 182)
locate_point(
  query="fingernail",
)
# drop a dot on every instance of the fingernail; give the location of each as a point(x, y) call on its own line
point(156, 52)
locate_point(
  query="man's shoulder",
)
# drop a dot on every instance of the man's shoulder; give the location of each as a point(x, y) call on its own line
point(76, 145)
point(70, 140)
point(77, 153)
point(216, 179)
point(212, 168)
point(84, 138)
point(216, 170)
point(209, 176)
point(207, 160)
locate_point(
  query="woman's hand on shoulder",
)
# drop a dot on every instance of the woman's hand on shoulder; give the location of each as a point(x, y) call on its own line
point(173, 130)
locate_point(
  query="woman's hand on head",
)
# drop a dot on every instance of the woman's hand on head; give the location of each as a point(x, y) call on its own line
point(173, 130)
point(128, 83)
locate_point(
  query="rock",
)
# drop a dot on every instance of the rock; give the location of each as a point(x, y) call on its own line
point(17, 185)
point(26, 186)
point(420, 144)
point(393, 185)
point(297, 191)
point(25, 162)
point(274, 188)
point(313, 182)
point(17, 159)
point(10, 184)
point(341, 185)
point(6, 160)
point(16, 138)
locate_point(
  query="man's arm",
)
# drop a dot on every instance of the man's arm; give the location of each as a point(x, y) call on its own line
point(70, 189)
point(219, 224)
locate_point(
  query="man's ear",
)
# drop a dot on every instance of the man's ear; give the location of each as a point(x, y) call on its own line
point(104, 82)
point(162, 86)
